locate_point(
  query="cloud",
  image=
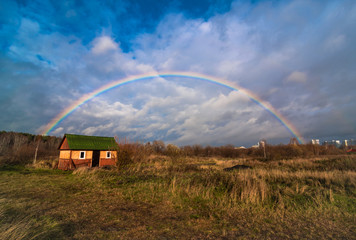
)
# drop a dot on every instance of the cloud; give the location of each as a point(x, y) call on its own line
point(103, 44)
point(51, 60)
point(58, 131)
point(298, 77)
point(179, 118)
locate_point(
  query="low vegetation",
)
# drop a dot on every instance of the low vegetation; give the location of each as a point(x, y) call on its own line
point(174, 196)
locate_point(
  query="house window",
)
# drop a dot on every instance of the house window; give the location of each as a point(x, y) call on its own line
point(108, 154)
point(82, 155)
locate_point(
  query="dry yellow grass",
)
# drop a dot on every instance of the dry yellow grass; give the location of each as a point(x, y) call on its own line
point(183, 198)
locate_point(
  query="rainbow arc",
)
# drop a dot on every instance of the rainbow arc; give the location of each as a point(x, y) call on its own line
point(188, 75)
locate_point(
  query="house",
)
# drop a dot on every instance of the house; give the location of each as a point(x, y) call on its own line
point(89, 151)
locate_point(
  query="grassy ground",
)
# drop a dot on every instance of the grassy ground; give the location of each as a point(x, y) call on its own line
point(180, 198)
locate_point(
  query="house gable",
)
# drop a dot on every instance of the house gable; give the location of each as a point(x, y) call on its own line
point(64, 144)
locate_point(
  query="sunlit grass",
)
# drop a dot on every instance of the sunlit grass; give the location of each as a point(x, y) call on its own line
point(185, 198)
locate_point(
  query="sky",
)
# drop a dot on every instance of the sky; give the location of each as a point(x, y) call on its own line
point(298, 56)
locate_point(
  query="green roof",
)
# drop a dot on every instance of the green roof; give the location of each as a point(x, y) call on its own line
point(81, 142)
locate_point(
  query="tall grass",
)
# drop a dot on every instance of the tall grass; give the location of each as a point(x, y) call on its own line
point(15, 224)
point(187, 182)
point(159, 194)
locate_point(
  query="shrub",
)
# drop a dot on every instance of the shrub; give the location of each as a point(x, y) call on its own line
point(130, 153)
point(172, 151)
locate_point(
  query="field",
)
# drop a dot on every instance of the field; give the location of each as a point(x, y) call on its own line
point(182, 198)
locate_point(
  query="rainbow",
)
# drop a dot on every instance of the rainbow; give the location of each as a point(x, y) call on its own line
point(190, 75)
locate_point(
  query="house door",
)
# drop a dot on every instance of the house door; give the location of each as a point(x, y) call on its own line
point(96, 158)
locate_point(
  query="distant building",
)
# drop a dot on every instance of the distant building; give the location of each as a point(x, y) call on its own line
point(315, 141)
point(242, 147)
point(336, 143)
point(351, 142)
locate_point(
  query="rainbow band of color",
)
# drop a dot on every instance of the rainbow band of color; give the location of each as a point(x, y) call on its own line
point(87, 97)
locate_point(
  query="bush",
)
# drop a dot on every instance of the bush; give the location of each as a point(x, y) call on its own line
point(130, 153)
point(173, 151)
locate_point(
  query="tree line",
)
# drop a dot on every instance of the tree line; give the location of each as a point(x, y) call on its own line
point(134, 152)
point(18, 147)
point(22, 147)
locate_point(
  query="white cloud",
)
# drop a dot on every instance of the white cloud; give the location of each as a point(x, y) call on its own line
point(103, 44)
point(58, 131)
point(205, 27)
